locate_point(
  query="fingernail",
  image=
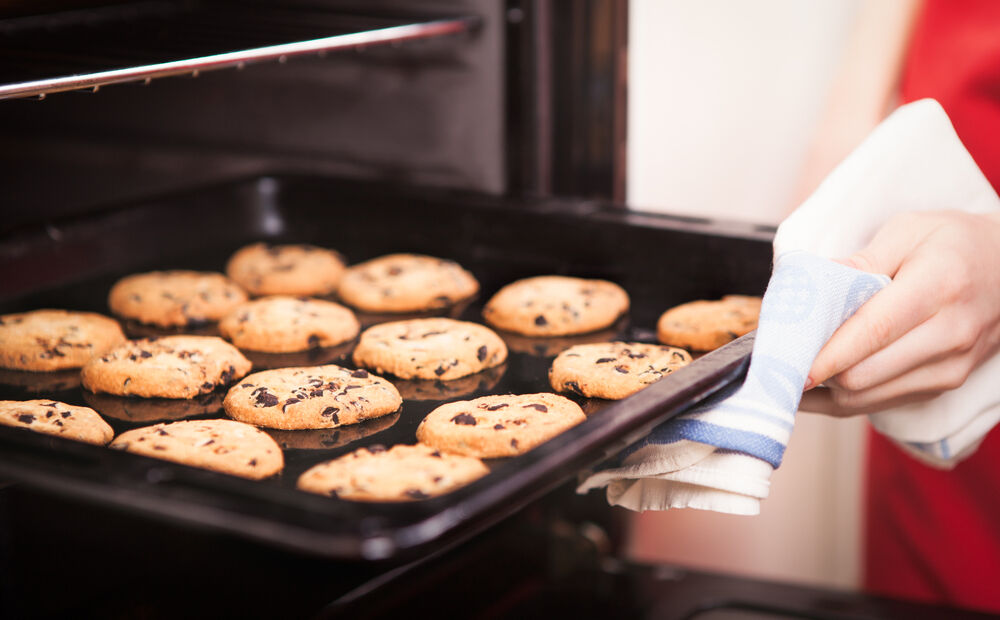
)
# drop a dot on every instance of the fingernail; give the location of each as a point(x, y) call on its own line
point(809, 384)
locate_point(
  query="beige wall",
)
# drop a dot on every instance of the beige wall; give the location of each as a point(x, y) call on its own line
point(723, 95)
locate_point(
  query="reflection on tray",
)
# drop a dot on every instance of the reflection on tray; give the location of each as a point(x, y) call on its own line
point(368, 319)
point(327, 438)
point(312, 357)
point(551, 346)
point(38, 382)
point(435, 389)
point(134, 329)
point(132, 409)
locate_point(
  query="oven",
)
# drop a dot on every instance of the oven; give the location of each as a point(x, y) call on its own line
point(166, 134)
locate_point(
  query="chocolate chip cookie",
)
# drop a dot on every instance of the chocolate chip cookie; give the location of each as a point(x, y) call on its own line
point(220, 445)
point(55, 418)
point(429, 349)
point(169, 367)
point(613, 370)
point(175, 298)
point(498, 426)
point(399, 474)
point(48, 340)
point(556, 306)
point(706, 325)
point(311, 397)
point(281, 324)
point(406, 283)
point(263, 269)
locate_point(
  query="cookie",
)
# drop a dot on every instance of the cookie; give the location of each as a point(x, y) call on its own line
point(263, 269)
point(170, 367)
point(149, 410)
point(425, 389)
point(399, 474)
point(556, 306)
point(46, 340)
point(706, 325)
point(55, 418)
point(613, 370)
point(220, 445)
point(429, 349)
point(311, 397)
point(281, 324)
point(175, 298)
point(406, 283)
point(329, 438)
point(500, 425)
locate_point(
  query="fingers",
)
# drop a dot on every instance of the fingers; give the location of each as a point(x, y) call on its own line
point(891, 313)
point(922, 383)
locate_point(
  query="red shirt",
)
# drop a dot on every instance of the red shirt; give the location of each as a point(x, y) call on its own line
point(934, 535)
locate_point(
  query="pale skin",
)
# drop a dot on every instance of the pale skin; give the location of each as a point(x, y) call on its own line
point(940, 317)
point(922, 335)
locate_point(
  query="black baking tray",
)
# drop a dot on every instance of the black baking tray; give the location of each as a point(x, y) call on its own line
point(660, 260)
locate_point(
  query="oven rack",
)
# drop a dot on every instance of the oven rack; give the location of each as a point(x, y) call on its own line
point(137, 42)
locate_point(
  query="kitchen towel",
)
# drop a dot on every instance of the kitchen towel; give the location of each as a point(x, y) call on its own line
point(720, 455)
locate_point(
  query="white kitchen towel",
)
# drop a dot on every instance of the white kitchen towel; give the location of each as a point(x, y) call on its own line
point(913, 161)
point(720, 456)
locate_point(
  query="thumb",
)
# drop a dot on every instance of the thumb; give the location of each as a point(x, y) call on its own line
point(887, 250)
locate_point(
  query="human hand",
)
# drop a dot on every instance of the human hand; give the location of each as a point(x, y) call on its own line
point(926, 331)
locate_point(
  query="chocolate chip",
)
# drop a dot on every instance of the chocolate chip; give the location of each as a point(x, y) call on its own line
point(481, 353)
point(497, 407)
point(162, 433)
point(290, 401)
point(265, 398)
point(442, 300)
point(395, 271)
point(622, 369)
point(333, 493)
point(540, 320)
point(207, 386)
point(436, 454)
point(227, 375)
point(440, 370)
point(246, 385)
point(537, 407)
point(676, 356)
point(331, 412)
point(360, 373)
point(416, 494)
point(604, 360)
point(65, 414)
point(252, 463)
point(159, 447)
point(499, 427)
point(464, 418)
point(25, 418)
point(313, 341)
point(574, 387)
point(431, 333)
point(513, 443)
point(145, 354)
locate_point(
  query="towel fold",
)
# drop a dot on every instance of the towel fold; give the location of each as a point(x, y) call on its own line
point(719, 455)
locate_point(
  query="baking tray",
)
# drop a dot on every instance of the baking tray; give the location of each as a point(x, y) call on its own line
point(661, 261)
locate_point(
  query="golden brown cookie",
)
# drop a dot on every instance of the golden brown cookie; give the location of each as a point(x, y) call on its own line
point(500, 425)
point(707, 325)
point(56, 418)
point(220, 445)
point(429, 349)
point(406, 283)
point(263, 269)
point(402, 473)
point(47, 340)
point(556, 306)
point(614, 370)
point(175, 298)
point(311, 397)
point(170, 367)
point(281, 324)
